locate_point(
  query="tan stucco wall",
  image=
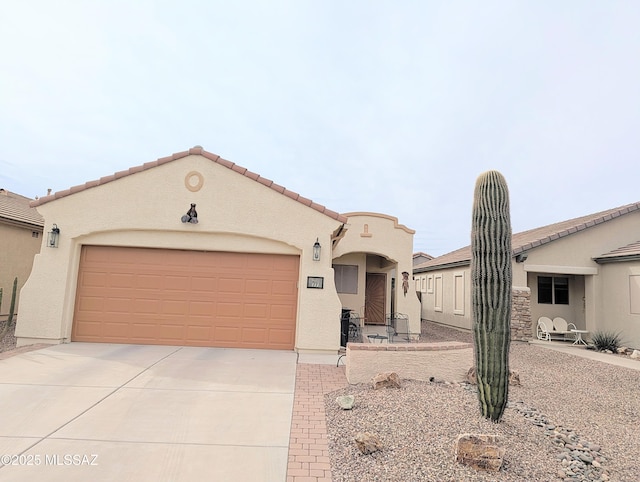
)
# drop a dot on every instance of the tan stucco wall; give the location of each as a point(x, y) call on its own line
point(447, 315)
point(17, 250)
point(235, 213)
point(385, 237)
point(449, 361)
point(615, 310)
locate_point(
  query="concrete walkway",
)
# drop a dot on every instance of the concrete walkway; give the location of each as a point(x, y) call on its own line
point(582, 352)
point(146, 412)
point(102, 412)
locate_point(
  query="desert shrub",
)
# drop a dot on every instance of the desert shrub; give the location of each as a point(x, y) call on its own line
point(606, 340)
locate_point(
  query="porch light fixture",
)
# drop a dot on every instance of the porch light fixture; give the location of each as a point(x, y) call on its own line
point(53, 237)
point(521, 258)
point(316, 250)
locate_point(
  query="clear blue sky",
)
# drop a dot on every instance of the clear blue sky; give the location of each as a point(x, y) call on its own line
point(393, 107)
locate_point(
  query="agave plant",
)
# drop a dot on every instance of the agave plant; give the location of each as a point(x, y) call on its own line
point(606, 340)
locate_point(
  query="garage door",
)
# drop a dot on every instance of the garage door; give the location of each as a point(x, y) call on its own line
point(195, 298)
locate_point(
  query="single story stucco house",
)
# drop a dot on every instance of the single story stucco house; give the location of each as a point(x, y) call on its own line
point(585, 270)
point(192, 249)
point(20, 239)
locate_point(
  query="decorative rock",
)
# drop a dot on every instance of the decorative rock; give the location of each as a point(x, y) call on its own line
point(368, 442)
point(514, 377)
point(345, 402)
point(635, 354)
point(387, 379)
point(479, 451)
point(622, 350)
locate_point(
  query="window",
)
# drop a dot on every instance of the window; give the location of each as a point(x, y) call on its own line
point(346, 278)
point(634, 294)
point(458, 293)
point(553, 290)
point(421, 284)
point(438, 293)
point(430, 283)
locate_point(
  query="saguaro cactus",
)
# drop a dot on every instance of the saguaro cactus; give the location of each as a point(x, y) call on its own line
point(491, 280)
point(7, 325)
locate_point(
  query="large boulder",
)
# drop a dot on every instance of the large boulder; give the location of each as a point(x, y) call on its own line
point(386, 380)
point(479, 451)
point(368, 442)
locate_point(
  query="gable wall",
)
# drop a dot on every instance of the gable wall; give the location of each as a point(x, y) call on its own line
point(17, 250)
point(620, 311)
point(144, 209)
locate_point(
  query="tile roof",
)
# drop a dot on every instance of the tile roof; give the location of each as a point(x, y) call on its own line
point(624, 253)
point(532, 238)
point(197, 151)
point(15, 208)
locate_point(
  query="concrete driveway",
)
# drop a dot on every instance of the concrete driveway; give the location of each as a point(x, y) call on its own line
point(85, 411)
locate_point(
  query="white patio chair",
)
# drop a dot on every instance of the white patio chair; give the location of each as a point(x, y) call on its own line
point(561, 327)
point(544, 329)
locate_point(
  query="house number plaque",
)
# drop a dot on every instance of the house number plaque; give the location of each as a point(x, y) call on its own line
point(316, 282)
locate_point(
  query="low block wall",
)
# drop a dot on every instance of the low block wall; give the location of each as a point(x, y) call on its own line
point(447, 361)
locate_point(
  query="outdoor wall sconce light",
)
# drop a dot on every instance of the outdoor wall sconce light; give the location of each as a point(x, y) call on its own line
point(521, 258)
point(191, 216)
point(53, 237)
point(316, 250)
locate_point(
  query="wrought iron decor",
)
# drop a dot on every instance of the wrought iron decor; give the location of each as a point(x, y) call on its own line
point(191, 216)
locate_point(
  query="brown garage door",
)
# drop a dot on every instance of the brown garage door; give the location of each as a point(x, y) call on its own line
point(176, 297)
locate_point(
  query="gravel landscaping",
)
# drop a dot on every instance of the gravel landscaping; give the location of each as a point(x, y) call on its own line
point(8, 342)
point(570, 419)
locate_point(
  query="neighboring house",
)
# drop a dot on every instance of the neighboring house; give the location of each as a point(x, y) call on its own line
point(420, 257)
point(585, 270)
point(255, 271)
point(20, 240)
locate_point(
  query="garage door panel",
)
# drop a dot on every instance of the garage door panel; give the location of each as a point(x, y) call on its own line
point(255, 335)
point(147, 306)
point(153, 296)
point(169, 332)
point(116, 330)
point(144, 331)
point(91, 329)
point(201, 283)
point(118, 305)
point(257, 287)
point(283, 288)
point(201, 308)
point(227, 334)
point(282, 312)
point(256, 310)
point(91, 304)
point(281, 337)
point(120, 280)
point(94, 279)
point(198, 334)
point(231, 285)
point(174, 307)
point(149, 281)
point(229, 310)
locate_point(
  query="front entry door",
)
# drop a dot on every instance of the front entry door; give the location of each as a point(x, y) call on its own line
point(375, 298)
